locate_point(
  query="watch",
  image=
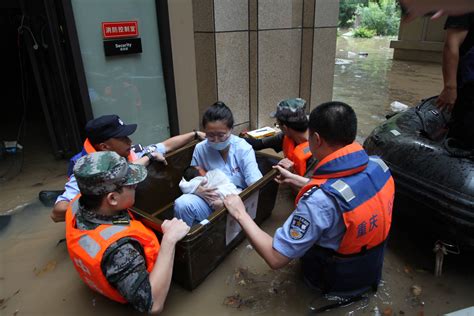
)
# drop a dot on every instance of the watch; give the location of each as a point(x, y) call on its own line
point(196, 135)
point(149, 156)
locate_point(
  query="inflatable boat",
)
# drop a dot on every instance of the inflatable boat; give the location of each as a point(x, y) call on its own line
point(433, 176)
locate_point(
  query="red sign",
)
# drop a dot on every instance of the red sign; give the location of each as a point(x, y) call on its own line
point(119, 29)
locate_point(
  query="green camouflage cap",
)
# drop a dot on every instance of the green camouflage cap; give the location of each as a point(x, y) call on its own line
point(105, 171)
point(290, 105)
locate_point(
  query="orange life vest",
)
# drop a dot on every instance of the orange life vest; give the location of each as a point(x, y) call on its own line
point(90, 149)
point(298, 154)
point(364, 190)
point(87, 247)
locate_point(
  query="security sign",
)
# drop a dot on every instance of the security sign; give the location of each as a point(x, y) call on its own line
point(120, 29)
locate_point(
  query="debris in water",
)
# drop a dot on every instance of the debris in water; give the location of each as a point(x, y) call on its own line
point(249, 246)
point(363, 54)
point(236, 301)
point(49, 267)
point(16, 312)
point(416, 290)
point(340, 61)
point(388, 311)
point(398, 106)
point(93, 302)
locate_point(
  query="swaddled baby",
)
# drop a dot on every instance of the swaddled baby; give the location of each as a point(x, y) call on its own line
point(194, 176)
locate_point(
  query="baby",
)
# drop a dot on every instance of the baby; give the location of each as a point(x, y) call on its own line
point(194, 176)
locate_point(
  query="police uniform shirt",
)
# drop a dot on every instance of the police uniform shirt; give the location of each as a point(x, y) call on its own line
point(71, 189)
point(316, 220)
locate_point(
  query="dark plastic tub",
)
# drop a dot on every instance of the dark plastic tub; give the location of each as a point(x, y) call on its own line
point(206, 245)
point(437, 185)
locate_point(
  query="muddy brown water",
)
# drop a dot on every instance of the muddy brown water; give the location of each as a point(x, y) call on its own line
point(37, 277)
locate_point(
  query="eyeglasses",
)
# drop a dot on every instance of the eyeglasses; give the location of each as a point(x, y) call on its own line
point(217, 137)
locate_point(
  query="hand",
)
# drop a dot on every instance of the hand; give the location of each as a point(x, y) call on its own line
point(201, 135)
point(287, 164)
point(217, 204)
point(284, 176)
point(174, 230)
point(447, 99)
point(234, 205)
point(209, 195)
point(159, 157)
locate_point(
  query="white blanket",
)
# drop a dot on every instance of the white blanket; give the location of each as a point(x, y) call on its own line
point(213, 179)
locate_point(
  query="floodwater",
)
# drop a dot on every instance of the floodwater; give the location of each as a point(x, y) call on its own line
point(37, 277)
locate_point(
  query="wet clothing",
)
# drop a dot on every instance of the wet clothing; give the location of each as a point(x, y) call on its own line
point(123, 264)
point(461, 126)
point(341, 222)
point(276, 143)
point(71, 189)
point(241, 168)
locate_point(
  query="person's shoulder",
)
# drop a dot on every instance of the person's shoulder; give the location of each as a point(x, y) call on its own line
point(316, 198)
point(240, 143)
point(201, 145)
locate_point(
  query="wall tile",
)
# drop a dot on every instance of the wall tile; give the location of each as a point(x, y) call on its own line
point(308, 14)
point(279, 53)
point(203, 15)
point(275, 14)
point(306, 65)
point(232, 52)
point(326, 13)
point(205, 70)
point(253, 14)
point(253, 58)
point(324, 53)
point(231, 15)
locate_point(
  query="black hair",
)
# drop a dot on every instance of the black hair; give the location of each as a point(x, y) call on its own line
point(218, 112)
point(335, 122)
point(297, 121)
point(92, 201)
point(190, 172)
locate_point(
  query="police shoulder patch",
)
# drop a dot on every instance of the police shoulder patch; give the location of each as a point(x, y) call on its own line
point(298, 227)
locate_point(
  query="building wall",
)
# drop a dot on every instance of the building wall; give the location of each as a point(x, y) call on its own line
point(420, 40)
point(252, 53)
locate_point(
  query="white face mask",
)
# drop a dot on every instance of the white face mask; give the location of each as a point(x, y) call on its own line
point(219, 145)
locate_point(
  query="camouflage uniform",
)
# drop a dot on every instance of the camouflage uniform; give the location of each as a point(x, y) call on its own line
point(123, 263)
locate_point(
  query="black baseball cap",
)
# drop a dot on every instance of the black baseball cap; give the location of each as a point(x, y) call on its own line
point(107, 126)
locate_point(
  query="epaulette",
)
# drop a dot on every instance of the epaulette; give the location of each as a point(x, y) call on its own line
point(310, 191)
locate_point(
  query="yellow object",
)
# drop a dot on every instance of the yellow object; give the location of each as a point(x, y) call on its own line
point(262, 132)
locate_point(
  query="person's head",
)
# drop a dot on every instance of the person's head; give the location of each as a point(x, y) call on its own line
point(291, 116)
point(192, 172)
point(107, 181)
point(217, 123)
point(332, 125)
point(109, 133)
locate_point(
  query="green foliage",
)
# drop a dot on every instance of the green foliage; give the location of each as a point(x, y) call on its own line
point(382, 16)
point(363, 32)
point(347, 8)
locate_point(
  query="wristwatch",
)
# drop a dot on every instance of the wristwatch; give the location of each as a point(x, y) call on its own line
point(196, 135)
point(149, 156)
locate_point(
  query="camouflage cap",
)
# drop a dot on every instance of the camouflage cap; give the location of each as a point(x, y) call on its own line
point(105, 171)
point(293, 105)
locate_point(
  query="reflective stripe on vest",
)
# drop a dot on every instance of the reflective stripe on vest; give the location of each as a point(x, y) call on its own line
point(299, 155)
point(87, 247)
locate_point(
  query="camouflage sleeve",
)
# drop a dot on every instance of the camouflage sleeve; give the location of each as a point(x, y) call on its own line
point(125, 268)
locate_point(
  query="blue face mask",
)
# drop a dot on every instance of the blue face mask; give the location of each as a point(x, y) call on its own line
point(220, 145)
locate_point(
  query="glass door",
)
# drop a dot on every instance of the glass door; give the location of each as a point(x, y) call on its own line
point(130, 85)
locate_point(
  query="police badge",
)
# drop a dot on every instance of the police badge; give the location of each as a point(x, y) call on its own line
point(298, 227)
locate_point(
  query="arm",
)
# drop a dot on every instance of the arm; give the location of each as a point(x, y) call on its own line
point(287, 177)
point(454, 39)
point(160, 276)
point(275, 142)
point(179, 141)
point(261, 241)
point(58, 214)
point(249, 166)
point(416, 8)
